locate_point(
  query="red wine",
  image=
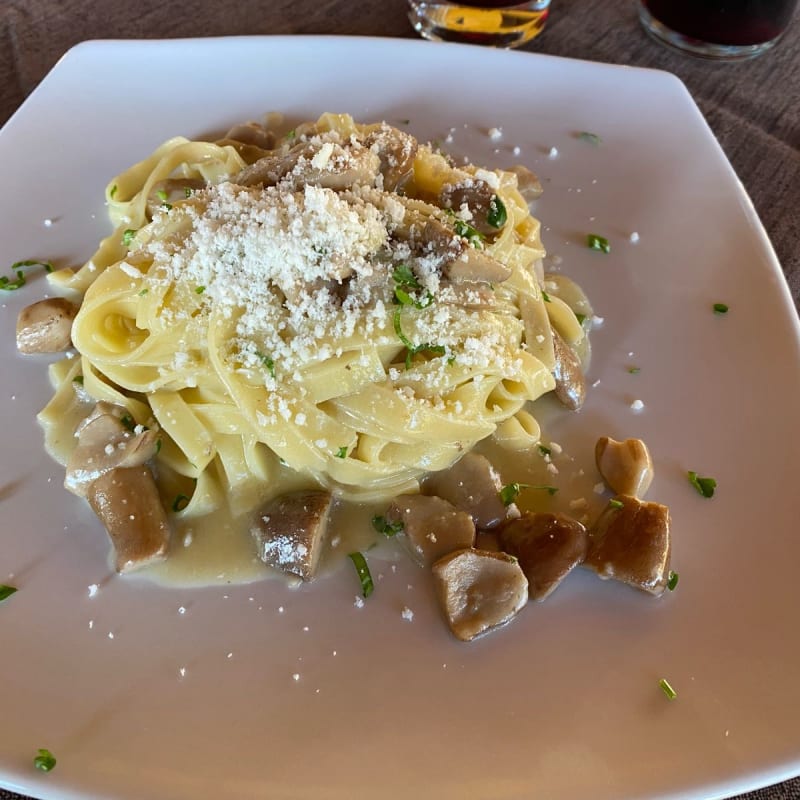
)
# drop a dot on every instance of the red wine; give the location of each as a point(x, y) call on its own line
point(725, 22)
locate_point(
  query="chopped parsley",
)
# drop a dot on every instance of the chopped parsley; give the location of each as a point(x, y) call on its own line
point(45, 760)
point(592, 138)
point(509, 493)
point(614, 503)
point(162, 195)
point(18, 268)
point(545, 451)
point(187, 191)
point(127, 237)
point(672, 580)
point(143, 292)
point(78, 379)
point(180, 502)
point(705, 486)
point(634, 370)
point(720, 308)
point(497, 216)
point(6, 591)
point(382, 525)
point(581, 318)
point(200, 289)
point(596, 242)
point(545, 296)
point(360, 563)
point(267, 362)
point(128, 421)
point(667, 689)
point(341, 452)
point(463, 229)
point(411, 348)
point(113, 191)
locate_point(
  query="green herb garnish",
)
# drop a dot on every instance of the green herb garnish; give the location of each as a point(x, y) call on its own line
point(705, 486)
point(411, 348)
point(10, 284)
point(545, 451)
point(6, 591)
point(162, 195)
point(78, 379)
point(581, 318)
point(720, 308)
point(545, 296)
point(364, 576)
point(113, 191)
point(127, 237)
point(596, 242)
point(187, 191)
point(509, 493)
point(267, 362)
point(158, 446)
point(143, 292)
point(128, 421)
point(667, 689)
point(341, 452)
point(180, 502)
point(497, 216)
point(45, 760)
point(592, 138)
point(634, 370)
point(404, 276)
point(200, 289)
point(382, 525)
point(672, 580)
point(614, 503)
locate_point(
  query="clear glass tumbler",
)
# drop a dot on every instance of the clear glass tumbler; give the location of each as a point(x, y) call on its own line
point(489, 22)
point(721, 29)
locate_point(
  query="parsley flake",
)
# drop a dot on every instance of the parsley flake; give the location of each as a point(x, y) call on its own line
point(267, 362)
point(592, 138)
point(341, 452)
point(545, 451)
point(720, 308)
point(705, 486)
point(614, 503)
point(596, 242)
point(200, 289)
point(545, 296)
point(6, 591)
point(634, 370)
point(362, 568)
point(497, 216)
point(127, 237)
point(667, 689)
point(672, 580)
point(509, 493)
point(113, 191)
point(18, 268)
point(382, 525)
point(45, 760)
point(162, 195)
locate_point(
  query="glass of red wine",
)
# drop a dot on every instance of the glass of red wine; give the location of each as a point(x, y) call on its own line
point(489, 22)
point(721, 29)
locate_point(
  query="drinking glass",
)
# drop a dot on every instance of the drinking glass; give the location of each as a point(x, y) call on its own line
point(491, 22)
point(722, 29)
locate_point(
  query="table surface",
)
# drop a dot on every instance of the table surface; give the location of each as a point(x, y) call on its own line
point(753, 107)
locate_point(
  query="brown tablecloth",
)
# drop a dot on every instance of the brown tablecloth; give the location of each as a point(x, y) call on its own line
point(753, 106)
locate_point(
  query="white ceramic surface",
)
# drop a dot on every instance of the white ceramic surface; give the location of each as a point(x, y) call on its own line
point(564, 703)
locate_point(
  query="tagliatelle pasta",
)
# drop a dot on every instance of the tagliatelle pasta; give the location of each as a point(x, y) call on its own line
point(328, 304)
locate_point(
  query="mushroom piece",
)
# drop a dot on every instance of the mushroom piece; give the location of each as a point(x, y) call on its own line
point(432, 527)
point(630, 542)
point(548, 546)
point(328, 165)
point(528, 184)
point(127, 502)
point(570, 386)
point(473, 485)
point(290, 530)
point(253, 134)
point(106, 443)
point(479, 591)
point(477, 195)
point(625, 466)
point(396, 151)
point(46, 326)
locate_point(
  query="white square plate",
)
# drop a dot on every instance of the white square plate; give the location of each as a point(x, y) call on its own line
point(563, 703)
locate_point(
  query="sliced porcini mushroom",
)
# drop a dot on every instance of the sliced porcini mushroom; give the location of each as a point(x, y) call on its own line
point(105, 443)
point(432, 527)
point(625, 466)
point(477, 195)
point(476, 265)
point(479, 590)
point(290, 530)
point(46, 326)
point(548, 546)
point(570, 386)
point(473, 485)
point(396, 151)
point(166, 193)
point(527, 183)
point(630, 542)
point(127, 502)
point(328, 165)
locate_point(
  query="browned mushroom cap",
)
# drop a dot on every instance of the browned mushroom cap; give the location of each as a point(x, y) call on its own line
point(625, 466)
point(290, 530)
point(548, 546)
point(396, 150)
point(631, 543)
point(528, 184)
point(432, 527)
point(46, 326)
point(479, 590)
point(570, 384)
point(106, 443)
point(127, 502)
point(477, 195)
point(328, 165)
point(473, 485)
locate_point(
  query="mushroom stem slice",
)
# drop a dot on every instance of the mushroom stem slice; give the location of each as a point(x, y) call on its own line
point(625, 466)
point(127, 502)
point(570, 384)
point(631, 543)
point(548, 546)
point(290, 530)
point(46, 326)
point(479, 590)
